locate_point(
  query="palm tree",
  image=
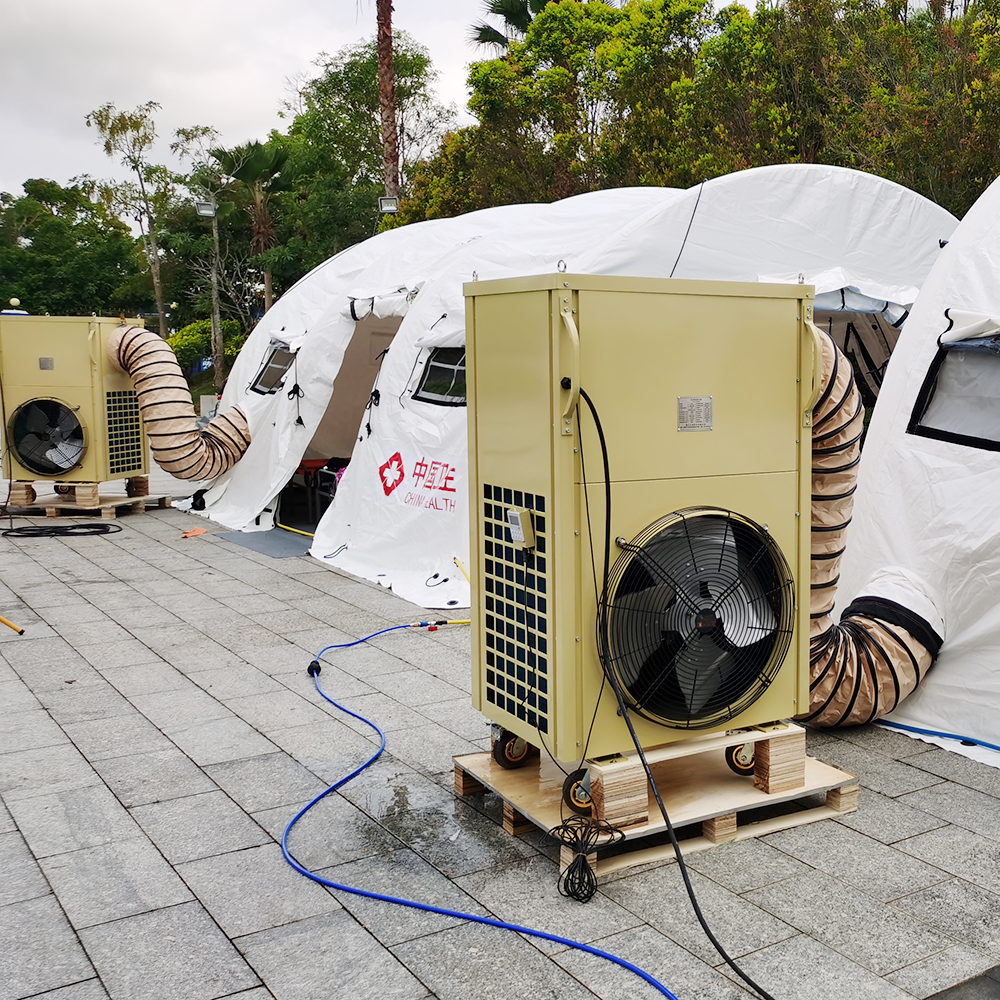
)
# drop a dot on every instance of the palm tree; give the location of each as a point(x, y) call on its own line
point(516, 15)
point(387, 97)
point(259, 168)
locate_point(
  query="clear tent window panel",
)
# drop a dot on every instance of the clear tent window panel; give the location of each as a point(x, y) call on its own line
point(443, 379)
point(959, 400)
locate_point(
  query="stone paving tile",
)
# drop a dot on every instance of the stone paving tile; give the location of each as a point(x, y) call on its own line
point(240, 681)
point(148, 677)
point(429, 747)
point(41, 772)
point(332, 832)
point(857, 925)
point(197, 826)
point(75, 703)
point(882, 871)
point(40, 951)
point(346, 963)
point(180, 708)
point(527, 892)
point(881, 774)
point(281, 709)
point(130, 618)
point(6, 820)
point(389, 715)
point(101, 739)
point(152, 777)
point(329, 748)
point(90, 989)
point(965, 807)
point(981, 988)
point(16, 696)
point(72, 614)
point(804, 969)
point(745, 865)
point(276, 657)
point(889, 820)
point(221, 739)
point(457, 716)
point(660, 900)
point(677, 969)
point(115, 880)
point(177, 953)
point(104, 632)
point(961, 770)
point(883, 740)
point(404, 875)
point(955, 965)
point(72, 820)
point(126, 653)
point(960, 853)
point(486, 963)
point(22, 878)
point(961, 910)
point(251, 890)
point(259, 783)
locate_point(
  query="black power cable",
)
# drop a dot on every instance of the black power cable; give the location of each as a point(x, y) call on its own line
point(62, 530)
point(605, 651)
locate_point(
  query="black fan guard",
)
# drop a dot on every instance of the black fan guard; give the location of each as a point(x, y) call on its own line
point(46, 437)
point(700, 613)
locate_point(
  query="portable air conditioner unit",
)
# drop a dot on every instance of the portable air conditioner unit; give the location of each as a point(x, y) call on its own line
point(703, 391)
point(69, 417)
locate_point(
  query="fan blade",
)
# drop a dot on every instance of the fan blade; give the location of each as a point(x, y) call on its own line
point(36, 420)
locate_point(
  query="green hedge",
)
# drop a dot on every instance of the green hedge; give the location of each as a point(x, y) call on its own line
point(194, 341)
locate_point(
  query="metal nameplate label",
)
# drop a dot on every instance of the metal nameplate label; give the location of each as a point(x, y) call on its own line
point(694, 413)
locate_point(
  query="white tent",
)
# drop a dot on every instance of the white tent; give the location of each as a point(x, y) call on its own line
point(926, 529)
point(400, 516)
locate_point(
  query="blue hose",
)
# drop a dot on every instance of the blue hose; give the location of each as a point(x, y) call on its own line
point(442, 911)
point(934, 732)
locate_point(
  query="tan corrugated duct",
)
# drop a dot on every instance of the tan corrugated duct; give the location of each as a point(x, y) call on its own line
point(168, 413)
point(861, 668)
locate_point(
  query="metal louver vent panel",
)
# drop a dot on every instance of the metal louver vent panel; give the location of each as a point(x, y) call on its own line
point(515, 611)
point(124, 432)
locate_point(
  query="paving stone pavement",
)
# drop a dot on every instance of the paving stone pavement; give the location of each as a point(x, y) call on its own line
point(158, 731)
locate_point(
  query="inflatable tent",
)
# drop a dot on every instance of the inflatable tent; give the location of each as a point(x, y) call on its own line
point(926, 534)
point(400, 514)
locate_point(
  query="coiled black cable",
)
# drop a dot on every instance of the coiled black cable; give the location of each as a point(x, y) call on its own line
point(62, 530)
point(583, 835)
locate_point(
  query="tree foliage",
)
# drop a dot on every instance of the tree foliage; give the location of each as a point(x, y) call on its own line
point(63, 253)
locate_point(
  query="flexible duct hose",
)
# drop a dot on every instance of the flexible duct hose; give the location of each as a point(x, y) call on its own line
point(861, 668)
point(168, 413)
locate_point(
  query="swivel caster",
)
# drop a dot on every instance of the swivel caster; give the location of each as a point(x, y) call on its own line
point(740, 759)
point(509, 750)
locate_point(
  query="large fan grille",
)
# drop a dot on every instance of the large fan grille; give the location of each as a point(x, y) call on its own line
point(700, 617)
point(515, 611)
point(46, 437)
point(124, 432)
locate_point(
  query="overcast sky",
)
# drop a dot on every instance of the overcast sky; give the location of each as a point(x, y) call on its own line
point(222, 63)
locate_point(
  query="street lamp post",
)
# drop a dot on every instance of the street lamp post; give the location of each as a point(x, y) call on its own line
point(209, 209)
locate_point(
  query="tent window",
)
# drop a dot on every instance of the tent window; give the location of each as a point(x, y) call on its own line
point(270, 378)
point(960, 398)
point(443, 380)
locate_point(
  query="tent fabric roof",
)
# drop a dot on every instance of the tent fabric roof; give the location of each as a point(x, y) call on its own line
point(926, 531)
point(831, 226)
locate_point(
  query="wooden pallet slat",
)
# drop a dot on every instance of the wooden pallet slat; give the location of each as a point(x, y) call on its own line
point(695, 783)
point(106, 507)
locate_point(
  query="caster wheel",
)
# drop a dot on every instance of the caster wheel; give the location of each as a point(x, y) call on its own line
point(575, 794)
point(740, 759)
point(63, 489)
point(510, 751)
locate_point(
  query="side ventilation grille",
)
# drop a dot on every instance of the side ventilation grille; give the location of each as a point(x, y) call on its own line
point(515, 610)
point(124, 432)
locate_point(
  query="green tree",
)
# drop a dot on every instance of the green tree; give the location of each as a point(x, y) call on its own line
point(130, 135)
point(259, 167)
point(63, 253)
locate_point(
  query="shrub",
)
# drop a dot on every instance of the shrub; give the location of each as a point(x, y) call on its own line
point(194, 341)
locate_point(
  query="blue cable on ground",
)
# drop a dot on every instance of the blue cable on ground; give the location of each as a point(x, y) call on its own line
point(313, 670)
point(934, 732)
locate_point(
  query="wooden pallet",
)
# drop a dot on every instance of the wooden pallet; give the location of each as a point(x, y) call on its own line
point(695, 783)
point(107, 507)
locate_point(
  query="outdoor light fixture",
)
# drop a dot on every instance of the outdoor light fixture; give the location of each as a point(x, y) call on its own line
point(206, 208)
point(388, 205)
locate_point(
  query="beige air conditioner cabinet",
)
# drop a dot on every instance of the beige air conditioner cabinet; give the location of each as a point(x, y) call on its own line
point(69, 416)
point(703, 390)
